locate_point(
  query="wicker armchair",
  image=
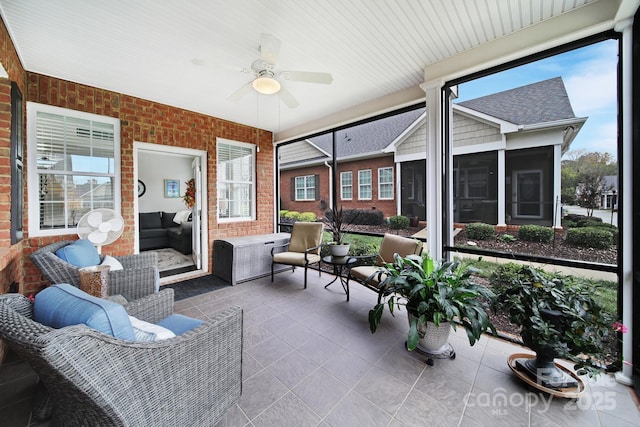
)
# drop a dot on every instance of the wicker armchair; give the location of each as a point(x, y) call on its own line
point(95, 379)
point(140, 276)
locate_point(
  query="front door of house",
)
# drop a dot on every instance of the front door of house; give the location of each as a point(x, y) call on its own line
point(527, 194)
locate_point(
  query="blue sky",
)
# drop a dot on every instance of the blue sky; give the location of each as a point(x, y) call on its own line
point(589, 74)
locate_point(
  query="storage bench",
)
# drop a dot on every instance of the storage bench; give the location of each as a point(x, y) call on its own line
point(239, 259)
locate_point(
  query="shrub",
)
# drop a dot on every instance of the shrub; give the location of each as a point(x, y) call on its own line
point(566, 223)
point(365, 216)
point(535, 233)
point(589, 223)
point(292, 215)
point(480, 231)
point(504, 275)
point(307, 217)
point(283, 213)
point(590, 237)
point(398, 222)
point(577, 217)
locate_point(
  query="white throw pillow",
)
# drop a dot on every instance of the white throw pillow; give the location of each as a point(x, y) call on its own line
point(112, 262)
point(145, 331)
point(181, 217)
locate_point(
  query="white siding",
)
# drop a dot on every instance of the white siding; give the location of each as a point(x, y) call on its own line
point(416, 143)
point(297, 152)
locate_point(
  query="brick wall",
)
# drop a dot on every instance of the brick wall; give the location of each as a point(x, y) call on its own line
point(141, 120)
point(151, 122)
point(11, 256)
point(388, 207)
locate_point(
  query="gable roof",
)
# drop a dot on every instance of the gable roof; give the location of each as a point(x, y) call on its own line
point(368, 138)
point(541, 102)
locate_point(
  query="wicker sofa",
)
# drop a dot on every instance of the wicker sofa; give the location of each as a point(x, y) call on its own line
point(95, 379)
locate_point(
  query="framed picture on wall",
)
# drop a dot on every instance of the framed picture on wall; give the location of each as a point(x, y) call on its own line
point(171, 188)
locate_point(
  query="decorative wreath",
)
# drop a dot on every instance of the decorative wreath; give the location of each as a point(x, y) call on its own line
point(190, 193)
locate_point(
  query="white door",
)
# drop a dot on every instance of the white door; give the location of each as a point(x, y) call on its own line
point(527, 194)
point(195, 214)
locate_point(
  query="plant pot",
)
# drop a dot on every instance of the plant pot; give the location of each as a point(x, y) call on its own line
point(338, 250)
point(433, 339)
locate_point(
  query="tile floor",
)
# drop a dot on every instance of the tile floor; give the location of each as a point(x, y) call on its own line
point(310, 360)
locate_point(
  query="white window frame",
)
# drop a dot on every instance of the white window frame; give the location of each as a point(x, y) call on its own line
point(222, 142)
point(344, 186)
point(361, 172)
point(381, 184)
point(306, 187)
point(33, 180)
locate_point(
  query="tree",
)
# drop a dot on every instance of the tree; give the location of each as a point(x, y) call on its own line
point(583, 177)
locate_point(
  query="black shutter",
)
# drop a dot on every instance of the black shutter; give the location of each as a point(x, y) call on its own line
point(293, 188)
point(317, 187)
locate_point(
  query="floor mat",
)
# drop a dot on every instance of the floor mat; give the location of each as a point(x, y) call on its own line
point(170, 259)
point(193, 287)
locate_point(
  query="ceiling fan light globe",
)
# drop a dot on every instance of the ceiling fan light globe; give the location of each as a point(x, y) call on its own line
point(266, 85)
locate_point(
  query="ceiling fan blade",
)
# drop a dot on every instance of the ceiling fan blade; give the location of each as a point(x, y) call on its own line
point(307, 76)
point(287, 98)
point(269, 48)
point(240, 93)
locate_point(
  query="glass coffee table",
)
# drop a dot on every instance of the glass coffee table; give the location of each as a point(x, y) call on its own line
point(340, 266)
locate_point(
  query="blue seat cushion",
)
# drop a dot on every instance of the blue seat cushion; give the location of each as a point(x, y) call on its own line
point(80, 253)
point(178, 324)
point(64, 305)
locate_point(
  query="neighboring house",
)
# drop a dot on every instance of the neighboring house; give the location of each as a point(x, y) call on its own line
point(507, 149)
point(609, 196)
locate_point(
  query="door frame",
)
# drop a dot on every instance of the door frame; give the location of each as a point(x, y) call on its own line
point(204, 232)
point(515, 201)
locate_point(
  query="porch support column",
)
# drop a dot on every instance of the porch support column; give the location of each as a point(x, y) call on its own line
point(557, 191)
point(625, 200)
point(434, 173)
point(502, 191)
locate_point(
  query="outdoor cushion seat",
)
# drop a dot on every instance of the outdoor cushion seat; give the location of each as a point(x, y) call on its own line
point(391, 245)
point(303, 247)
point(138, 277)
point(92, 378)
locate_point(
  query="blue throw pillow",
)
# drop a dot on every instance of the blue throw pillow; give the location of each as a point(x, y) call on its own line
point(64, 305)
point(179, 324)
point(80, 253)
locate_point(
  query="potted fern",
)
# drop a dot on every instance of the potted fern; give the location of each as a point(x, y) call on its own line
point(436, 295)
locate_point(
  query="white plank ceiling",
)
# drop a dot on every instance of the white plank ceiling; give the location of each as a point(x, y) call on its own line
point(191, 54)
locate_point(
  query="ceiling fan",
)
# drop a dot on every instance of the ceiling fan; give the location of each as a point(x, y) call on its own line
point(267, 80)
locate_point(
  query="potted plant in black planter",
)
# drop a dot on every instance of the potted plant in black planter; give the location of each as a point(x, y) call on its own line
point(558, 320)
point(336, 221)
point(436, 296)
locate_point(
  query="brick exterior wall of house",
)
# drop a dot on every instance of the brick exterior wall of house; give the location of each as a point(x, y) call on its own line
point(388, 207)
point(140, 120)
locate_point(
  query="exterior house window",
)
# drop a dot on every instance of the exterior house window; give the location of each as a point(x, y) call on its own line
point(74, 167)
point(346, 185)
point(364, 184)
point(305, 188)
point(385, 183)
point(236, 180)
point(17, 165)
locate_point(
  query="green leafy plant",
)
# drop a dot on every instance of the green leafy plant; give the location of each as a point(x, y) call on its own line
point(307, 217)
point(507, 238)
point(535, 233)
point(398, 222)
point(432, 292)
point(579, 330)
point(590, 237)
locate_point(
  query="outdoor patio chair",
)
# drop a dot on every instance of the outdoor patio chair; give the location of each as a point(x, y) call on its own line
point(303, 248)
point(391, 245)
point(138, 278)
point(89, 377)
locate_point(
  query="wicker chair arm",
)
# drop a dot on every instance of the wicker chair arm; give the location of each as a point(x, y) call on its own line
point(133, 283)
point(55, 269)
point(152, 308)
point(143, 259)
point(191, 379)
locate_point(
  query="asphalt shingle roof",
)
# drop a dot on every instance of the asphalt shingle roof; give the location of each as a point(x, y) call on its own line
point(540, 102)
point(370, 137)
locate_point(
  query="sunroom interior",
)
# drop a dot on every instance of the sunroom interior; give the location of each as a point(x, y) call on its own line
point(397, 57)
